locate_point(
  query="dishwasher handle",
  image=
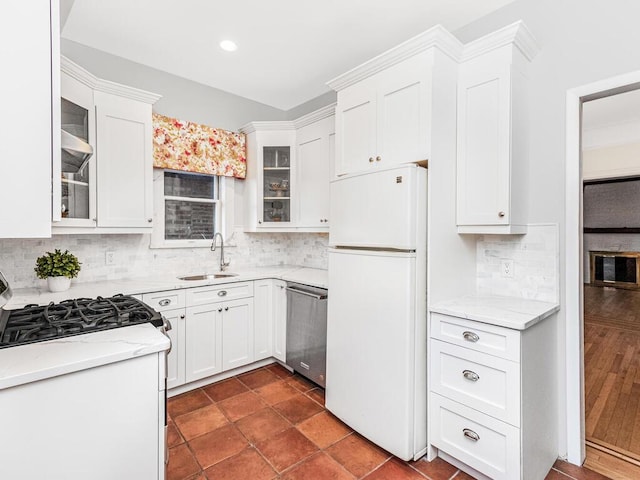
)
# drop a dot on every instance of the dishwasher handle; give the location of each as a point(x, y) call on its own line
point(308, 294)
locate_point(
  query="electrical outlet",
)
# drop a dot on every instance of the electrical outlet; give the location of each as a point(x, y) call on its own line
point(506, 268)
point(109, 258)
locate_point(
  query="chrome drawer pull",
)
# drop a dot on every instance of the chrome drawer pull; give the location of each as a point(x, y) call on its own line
point(469, 375)
point(222, 293)
point(470, 337)
point(470, 434)
point(164, 302)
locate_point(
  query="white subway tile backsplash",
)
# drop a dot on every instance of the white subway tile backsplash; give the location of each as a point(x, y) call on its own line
point(133, 258)
point(536, 264)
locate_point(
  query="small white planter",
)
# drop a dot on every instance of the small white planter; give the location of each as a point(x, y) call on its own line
point(58, 284)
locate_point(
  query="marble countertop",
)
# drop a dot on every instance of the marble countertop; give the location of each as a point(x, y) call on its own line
point(37, 361)
point(509, 312)
point(28, 363)
point(131, 286)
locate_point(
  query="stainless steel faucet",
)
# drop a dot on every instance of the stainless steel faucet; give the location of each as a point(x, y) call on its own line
point(223, 264)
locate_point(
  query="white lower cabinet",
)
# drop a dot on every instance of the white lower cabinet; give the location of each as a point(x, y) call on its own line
point(492, 400)
point(171, 304)
point(221, 327)
point(488, 445)
point(175, 358)
point(203, 342)
point(237, 333)
point(270, 325)
point(263, 319)
point(280, 320)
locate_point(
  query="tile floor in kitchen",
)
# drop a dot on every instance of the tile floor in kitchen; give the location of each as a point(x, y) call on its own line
point(269, 424)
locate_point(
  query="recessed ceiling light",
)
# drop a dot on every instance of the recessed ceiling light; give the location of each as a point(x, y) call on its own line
point(228, 46)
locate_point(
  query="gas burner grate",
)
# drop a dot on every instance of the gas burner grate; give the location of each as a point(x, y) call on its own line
point(36, 323)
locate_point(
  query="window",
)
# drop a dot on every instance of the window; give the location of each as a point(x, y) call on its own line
point(187, 209)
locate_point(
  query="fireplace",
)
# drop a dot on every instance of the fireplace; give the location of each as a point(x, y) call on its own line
point(615, 269)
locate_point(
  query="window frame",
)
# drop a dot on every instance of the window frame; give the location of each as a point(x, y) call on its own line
point(157, 235)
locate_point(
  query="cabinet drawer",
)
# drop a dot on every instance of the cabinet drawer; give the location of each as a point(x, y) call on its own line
point(219, 293)
point(490, 446)
point(484, 382)
point(482, 337)
point(167, 300)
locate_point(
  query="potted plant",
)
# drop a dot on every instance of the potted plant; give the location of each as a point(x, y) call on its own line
point(58, 268)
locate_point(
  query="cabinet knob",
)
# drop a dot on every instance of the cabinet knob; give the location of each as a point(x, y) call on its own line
point(378, 158)
point(370, 159)
point(501, 214)
point(260, 222)
point(470, 434)
point(182, 317)
point(222, 293)
point(220, 309)
point(469, 375)
point(164, 302)
point(226, 309)
point(149, 220)
point(470, 336)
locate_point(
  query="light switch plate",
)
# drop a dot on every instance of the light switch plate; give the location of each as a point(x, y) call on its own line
point(109, 258)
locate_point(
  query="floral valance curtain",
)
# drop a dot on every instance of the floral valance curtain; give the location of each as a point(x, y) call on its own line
point(191, 147)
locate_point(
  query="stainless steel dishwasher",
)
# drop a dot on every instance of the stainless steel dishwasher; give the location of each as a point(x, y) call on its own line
point(307, 331)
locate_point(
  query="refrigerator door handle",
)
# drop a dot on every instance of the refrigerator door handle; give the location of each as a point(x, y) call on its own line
point(308, 294)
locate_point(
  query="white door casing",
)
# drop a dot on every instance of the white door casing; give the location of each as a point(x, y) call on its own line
point(574, 347)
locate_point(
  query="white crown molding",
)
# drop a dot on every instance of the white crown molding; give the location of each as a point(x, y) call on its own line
point(436, 37)
point(133, 93)
point(517, 34)
point(76, 71)
point(266, 126)
point(315, 116)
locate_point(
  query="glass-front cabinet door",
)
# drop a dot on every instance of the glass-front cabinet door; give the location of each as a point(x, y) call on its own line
point(77, 204)
point(276, 184)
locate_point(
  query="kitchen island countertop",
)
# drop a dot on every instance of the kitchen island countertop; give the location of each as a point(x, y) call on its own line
point(23, 364)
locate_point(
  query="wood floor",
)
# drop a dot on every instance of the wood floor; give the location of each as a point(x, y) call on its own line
point(612, 376)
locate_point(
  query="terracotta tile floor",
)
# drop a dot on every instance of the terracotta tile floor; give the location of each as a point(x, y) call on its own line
point(269, 424)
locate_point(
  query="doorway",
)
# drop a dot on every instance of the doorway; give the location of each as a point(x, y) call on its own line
point(591, 391)
point(611, 257)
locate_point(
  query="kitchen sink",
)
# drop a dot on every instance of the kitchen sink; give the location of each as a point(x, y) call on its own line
point(208, 276)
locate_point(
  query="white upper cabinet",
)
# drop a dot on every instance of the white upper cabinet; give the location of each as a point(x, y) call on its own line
point(30, 74)
point(125, 162)
point(288, 172)
point(385, 111)
point(270, 187)
point(492, 158)
point(113, 193)
point(314, 144)
point(382, 120)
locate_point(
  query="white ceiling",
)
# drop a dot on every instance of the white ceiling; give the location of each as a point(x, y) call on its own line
point(287, 49)
point(613, 120)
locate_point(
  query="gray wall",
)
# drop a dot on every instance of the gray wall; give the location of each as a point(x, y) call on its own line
point(313, 104)
point(581, 41)
point(181, 98)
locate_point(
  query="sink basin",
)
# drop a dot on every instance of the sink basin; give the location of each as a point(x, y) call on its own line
point(208, 276)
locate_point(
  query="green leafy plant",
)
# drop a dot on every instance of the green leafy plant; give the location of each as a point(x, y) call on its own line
point(57, 264)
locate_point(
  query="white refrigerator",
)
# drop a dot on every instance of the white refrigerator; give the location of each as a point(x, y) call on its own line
point(376, 325)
